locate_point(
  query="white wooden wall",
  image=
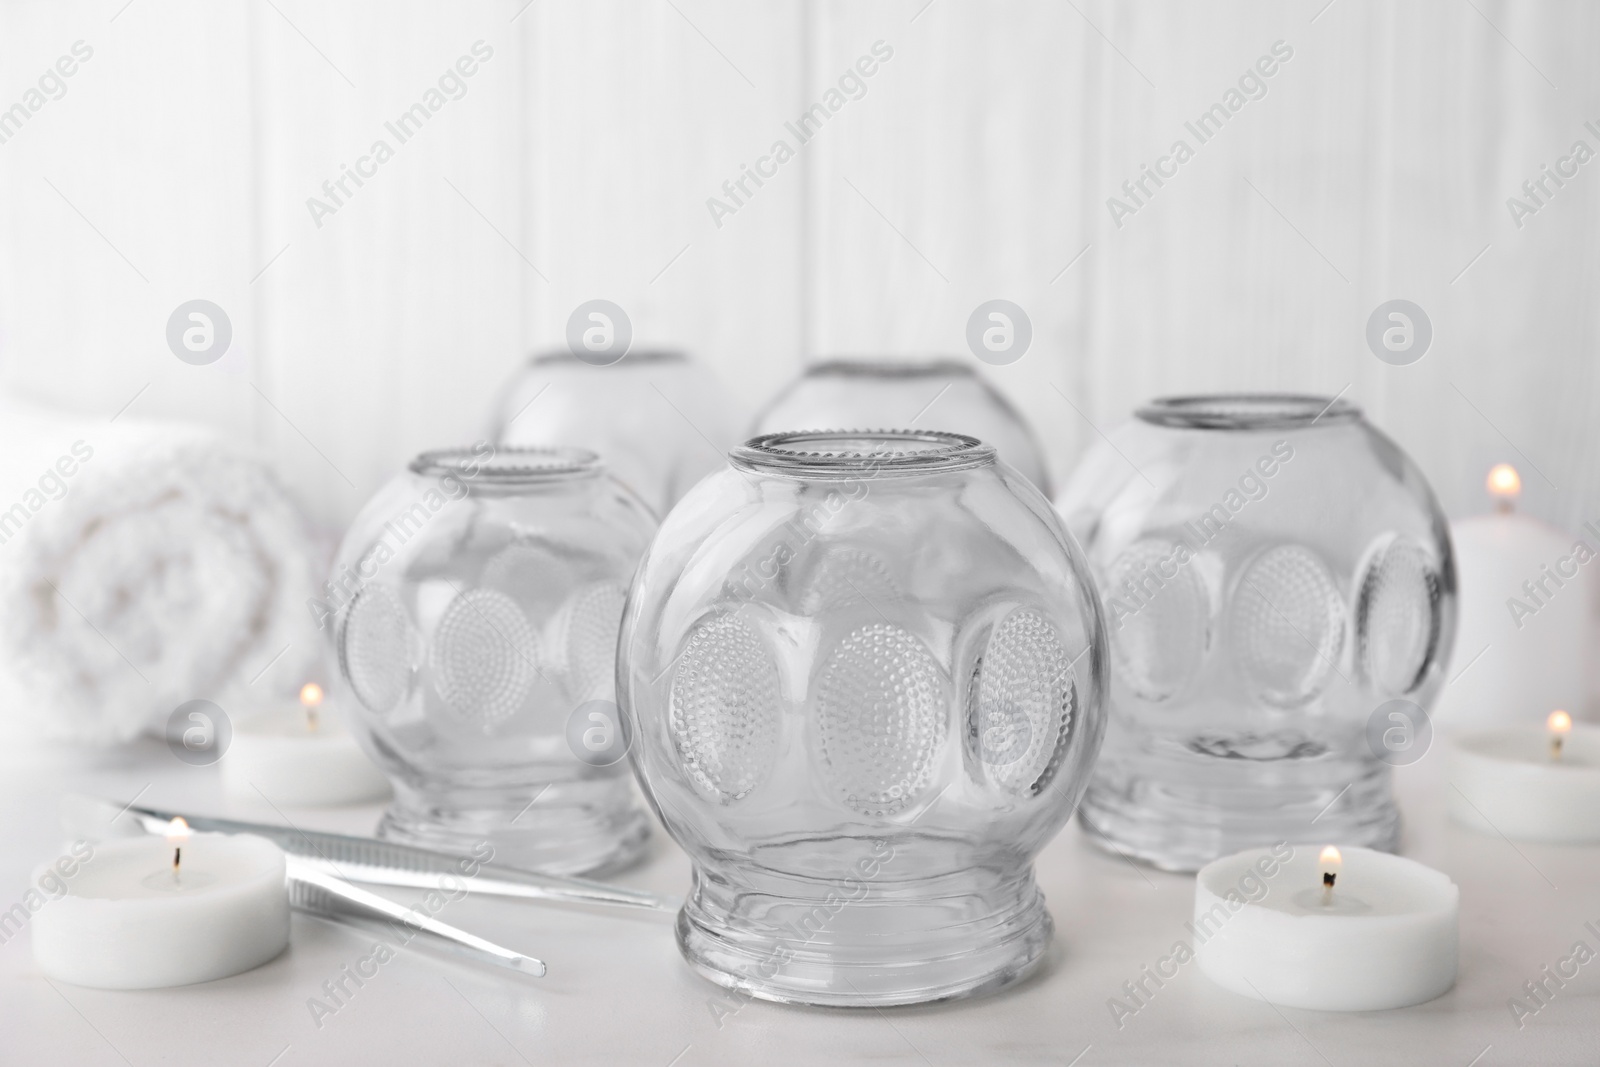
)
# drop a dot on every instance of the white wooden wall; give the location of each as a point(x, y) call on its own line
point(977, 165)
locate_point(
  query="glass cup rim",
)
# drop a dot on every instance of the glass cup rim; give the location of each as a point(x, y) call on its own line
point(919, 452)
point(634, 355)
point(1247, 411)
point(878, 366)
point(509, 465)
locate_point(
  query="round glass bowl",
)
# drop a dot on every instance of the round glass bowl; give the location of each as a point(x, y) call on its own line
point(657, 419)
point(1281, 598)
point(863, 674)
point(942, 393)
point(476, 603)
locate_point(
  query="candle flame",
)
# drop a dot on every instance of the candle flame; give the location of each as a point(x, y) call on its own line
point(177, 835)
point(311, 694)
point(1505, 484)
point(1560, 725)
point(1331, 861)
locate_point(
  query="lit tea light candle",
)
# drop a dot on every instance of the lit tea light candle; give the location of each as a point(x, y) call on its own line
point(1524, 632)
point(1528, 783)
point(301, 756)
point(1336, 930)
point(144, 912)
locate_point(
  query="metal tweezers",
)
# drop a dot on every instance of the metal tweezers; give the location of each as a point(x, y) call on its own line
point(322, 865)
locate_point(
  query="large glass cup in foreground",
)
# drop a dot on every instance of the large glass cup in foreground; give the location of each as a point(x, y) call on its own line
point(1280, 594)
point(477, 599)
point(863, 674)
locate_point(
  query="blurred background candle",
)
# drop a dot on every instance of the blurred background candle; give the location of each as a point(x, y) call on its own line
point(1527, 782)
point(144, 912)
point(1341, 930)
point(298, 754)
point(1525, 633)
point(1559, 724)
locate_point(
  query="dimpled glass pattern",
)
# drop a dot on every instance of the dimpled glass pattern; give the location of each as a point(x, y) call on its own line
point(863, 671)
point(1025, 696)
point(483, 656)
point(845, 577)
point(1398, 614)
point(1274, 571)
point(372, 648)
point(725, 709)
point(879, 718)
point(586, 629)
point(474, 608)
point(1288, 625)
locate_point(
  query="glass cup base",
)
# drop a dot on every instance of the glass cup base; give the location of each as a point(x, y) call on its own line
point(551, 832)
point(1183, 827)
point(914, 942)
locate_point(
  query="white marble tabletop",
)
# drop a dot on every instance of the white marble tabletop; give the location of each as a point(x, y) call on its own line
point(617, 992)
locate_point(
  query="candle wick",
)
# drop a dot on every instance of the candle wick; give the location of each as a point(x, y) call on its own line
point(1555, 747)
point(311, 718)
point(1327, 886)
point(177, 857)
point(1505, 505)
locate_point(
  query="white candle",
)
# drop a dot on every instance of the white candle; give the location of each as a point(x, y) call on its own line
point(1528, 783)
point(132, 918)
point(300, 756)
point(1380, 933)
point(1524, 633)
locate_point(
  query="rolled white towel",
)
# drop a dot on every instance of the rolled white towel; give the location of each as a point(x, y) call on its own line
point(142, 565)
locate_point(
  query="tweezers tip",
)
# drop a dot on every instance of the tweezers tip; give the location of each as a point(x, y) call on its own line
point(529, 965)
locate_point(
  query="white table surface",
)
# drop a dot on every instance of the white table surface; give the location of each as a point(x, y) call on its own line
point(617, 992)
